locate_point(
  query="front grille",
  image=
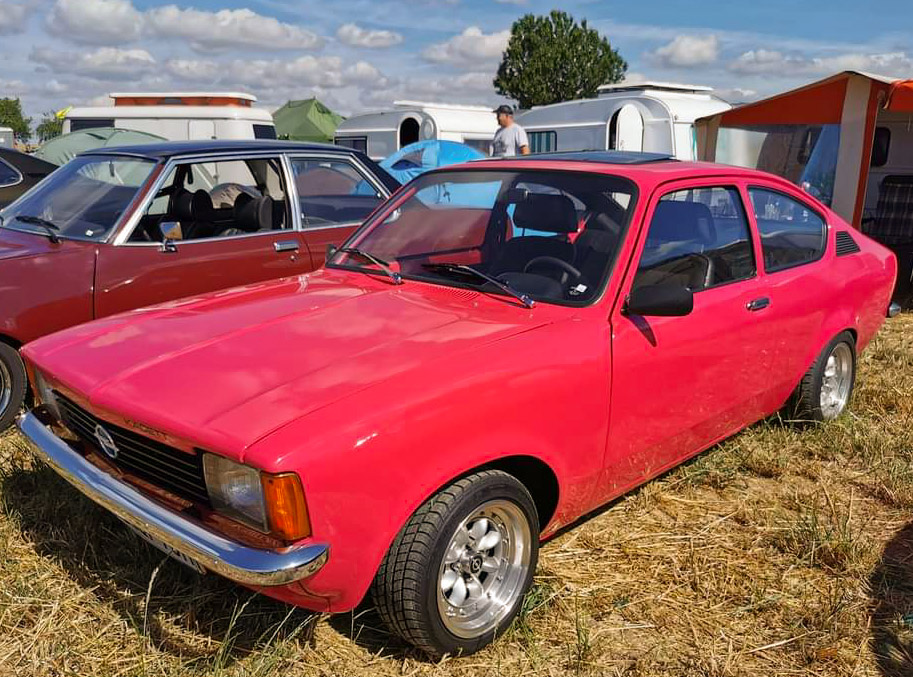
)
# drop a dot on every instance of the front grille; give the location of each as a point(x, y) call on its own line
point(164, 466)
point(846, 244)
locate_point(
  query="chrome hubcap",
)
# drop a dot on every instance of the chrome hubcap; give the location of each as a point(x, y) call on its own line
point(484, 569)
point(836, 382)
point(6, 387)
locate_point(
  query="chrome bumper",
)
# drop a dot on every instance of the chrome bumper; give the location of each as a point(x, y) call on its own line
point(250, 566)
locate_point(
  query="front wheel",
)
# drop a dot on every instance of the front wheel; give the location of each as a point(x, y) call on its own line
point(456, 574)
point(826, 387)
point(12, 385)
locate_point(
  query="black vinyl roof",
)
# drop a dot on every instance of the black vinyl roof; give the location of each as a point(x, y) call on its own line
point(611, 157)
point(169, 149)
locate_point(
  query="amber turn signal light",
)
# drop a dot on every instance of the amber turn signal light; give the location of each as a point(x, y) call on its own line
point(286, 509)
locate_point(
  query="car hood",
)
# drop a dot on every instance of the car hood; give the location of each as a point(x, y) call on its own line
point(15, 244)
point(223, 370)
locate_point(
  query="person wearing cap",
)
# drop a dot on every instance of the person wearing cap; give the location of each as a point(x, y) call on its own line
point(510, 139)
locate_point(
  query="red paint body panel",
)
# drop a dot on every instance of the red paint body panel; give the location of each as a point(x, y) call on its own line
point(377, 395)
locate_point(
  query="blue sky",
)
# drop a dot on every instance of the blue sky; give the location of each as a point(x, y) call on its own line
point(363, 54)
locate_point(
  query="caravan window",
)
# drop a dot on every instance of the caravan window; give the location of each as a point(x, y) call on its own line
point(264, 132)
point(359, 143)
point(543, 142)
point(76, 124)
point(881, 146)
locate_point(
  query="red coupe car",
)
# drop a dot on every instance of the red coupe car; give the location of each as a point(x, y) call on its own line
point(120, 228)
point(502, 348)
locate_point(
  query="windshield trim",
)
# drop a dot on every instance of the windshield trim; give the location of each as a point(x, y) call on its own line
point(116, 227)
point(408, 190)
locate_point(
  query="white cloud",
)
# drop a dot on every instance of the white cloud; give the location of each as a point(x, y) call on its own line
point(772, 62)
point(356, 36)
point(194, 70)
point(228, 29)
point(13, 16)
point(95, 22)
point(103, 63)
point(687, 51)
point(472, 46)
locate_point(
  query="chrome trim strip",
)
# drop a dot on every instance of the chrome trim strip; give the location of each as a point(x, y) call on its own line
point(240, 563)
point(894, 309)
point(16, 171)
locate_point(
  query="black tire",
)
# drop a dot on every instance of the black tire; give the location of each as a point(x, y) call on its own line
point(406, 587)
point(12, 381)
point(805, 404)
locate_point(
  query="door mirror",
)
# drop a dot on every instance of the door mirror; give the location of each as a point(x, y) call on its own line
point(331, 251)
point(660, 300)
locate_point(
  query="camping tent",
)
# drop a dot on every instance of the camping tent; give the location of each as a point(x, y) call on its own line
point(422, 156)
point(64, 148)
point(847, 139)
point(306, 120)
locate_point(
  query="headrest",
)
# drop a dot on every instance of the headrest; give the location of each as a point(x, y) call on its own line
point(193, 206)
point(547, 213)
point(676, 221)
point(253, 213)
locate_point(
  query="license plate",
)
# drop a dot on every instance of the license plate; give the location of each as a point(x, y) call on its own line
point(168, 550)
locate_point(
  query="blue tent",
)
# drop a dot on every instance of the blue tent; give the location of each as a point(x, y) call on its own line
point(418, 158)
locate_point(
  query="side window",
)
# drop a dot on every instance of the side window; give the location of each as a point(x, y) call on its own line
point(698, 238)
point(791, 233)
point(9, 176)
point(204, 200)
point(359, 143)
point(333, 192)
point(543, 142)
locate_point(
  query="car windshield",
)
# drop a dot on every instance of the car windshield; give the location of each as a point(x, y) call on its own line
point(82, 200)
point(547, 235)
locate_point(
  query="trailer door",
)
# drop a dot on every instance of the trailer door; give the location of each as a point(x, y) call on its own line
point(626, 130)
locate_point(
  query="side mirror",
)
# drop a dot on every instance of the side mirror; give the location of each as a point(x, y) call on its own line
point(170, 231)
point(660, 300)
point(331, 251)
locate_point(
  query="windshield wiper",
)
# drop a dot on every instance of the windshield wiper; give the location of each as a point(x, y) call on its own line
point(379, 262)
point(469, 270)
point(49, 226)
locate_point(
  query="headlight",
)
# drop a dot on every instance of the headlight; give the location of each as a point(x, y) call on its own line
point(269, 503)
point(46, 395)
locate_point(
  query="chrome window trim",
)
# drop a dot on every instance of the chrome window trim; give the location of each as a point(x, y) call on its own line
point(366, 174)
point(124, 233)
point(15, 171)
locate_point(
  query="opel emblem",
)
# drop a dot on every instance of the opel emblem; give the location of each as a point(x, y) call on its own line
point(106, 442)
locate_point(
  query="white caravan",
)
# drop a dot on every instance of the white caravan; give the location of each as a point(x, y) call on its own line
point(179, 116)
point(656, 117)
point(382, 133)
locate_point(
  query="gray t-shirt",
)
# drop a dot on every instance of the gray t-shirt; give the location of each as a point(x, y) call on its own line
point(508, 141)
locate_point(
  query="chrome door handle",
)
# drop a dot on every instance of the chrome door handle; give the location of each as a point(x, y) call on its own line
point(758, 304)
point(286, 246)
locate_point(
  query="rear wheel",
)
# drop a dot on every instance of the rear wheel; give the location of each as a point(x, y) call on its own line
point(12, 385)
point(456, 574)
point(826, 388)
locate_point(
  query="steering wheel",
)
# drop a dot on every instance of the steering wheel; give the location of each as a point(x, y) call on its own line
point(567, 270)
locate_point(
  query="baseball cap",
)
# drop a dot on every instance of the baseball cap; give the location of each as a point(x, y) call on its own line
point(504, 108)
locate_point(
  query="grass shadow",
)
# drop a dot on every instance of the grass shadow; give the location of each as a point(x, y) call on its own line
point(891, 591)
point(173, 607)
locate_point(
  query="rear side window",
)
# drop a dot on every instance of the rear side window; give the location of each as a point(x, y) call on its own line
point(698, 238)
point(8, 175)
point(791, 233)
point(333, 192)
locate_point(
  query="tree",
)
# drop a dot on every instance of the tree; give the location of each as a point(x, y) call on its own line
point(553, 58)
point(11, 116)
point(50, 126)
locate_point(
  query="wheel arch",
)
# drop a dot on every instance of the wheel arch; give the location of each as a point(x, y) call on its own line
point(537, 476)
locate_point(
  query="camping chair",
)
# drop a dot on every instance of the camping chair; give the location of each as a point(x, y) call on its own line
point(893, 227)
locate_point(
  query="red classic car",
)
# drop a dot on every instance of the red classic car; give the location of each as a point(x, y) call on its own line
point(502, 348)
point(122, 228)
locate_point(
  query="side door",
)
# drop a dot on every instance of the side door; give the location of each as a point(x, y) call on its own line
point(213, 223)
point(335, 195)
point(793, 239)
point(679, 384)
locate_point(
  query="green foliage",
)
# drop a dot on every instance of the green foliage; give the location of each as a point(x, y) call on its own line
point(50, 127)
point(552, 58)
point(11, 116)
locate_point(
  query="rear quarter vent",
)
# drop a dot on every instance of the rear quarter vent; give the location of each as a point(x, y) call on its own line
point(846, 245)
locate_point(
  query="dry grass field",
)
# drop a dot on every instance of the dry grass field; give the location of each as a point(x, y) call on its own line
point(783, 551)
